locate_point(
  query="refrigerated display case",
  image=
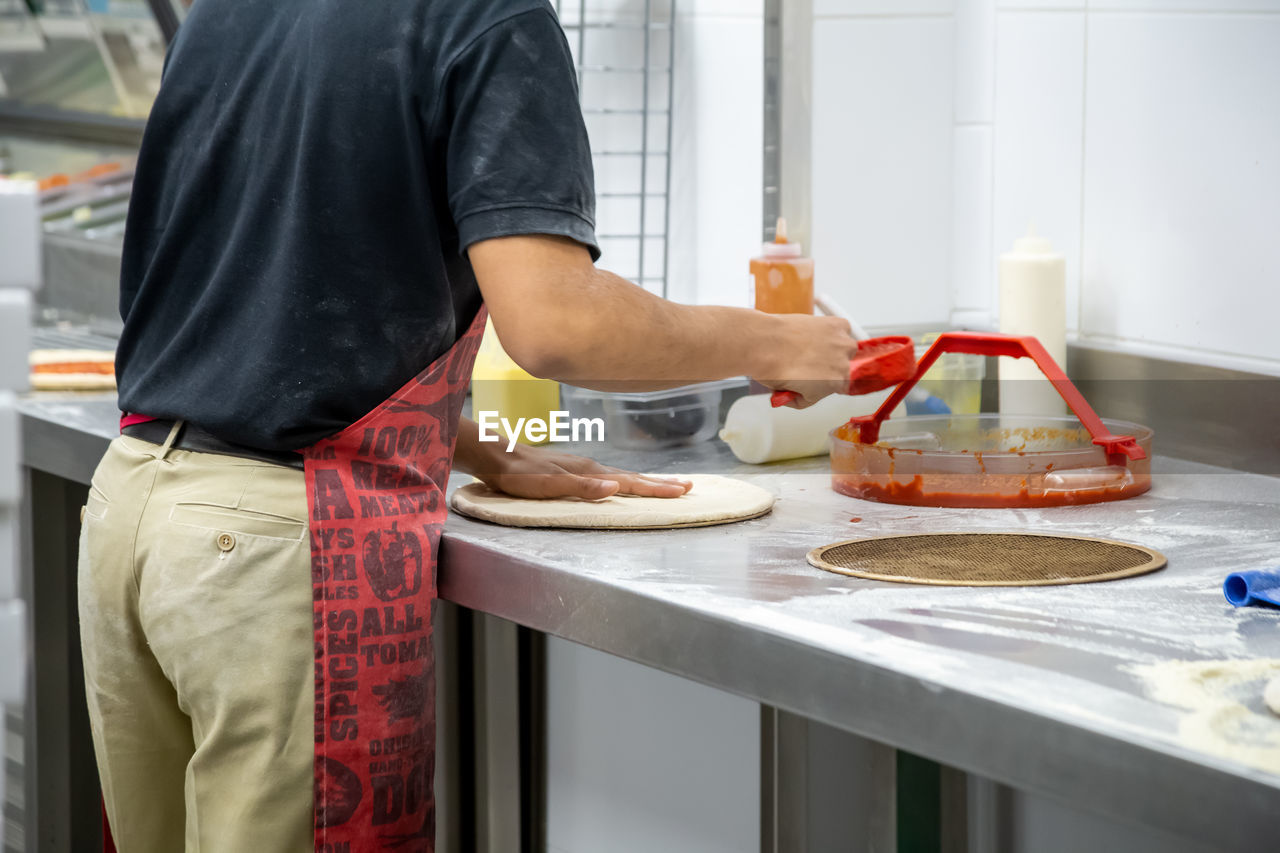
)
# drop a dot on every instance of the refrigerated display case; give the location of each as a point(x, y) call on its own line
point(77, 79)
point(76, 82)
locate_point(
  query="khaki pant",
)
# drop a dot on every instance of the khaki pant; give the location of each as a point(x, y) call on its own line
point(195, 621)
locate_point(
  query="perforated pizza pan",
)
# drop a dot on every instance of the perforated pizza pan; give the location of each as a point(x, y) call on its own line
point(987, 559)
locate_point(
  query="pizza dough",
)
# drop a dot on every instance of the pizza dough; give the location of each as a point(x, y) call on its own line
point(712, 500)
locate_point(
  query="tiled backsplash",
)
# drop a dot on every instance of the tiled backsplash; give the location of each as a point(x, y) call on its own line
point(1141, 136)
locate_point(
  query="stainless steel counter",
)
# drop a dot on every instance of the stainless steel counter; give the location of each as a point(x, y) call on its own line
point(1049, 689)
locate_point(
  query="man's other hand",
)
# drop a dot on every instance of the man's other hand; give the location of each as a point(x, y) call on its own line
point(529, 472)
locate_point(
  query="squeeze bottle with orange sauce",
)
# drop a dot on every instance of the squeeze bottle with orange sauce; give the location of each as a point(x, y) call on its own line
point(783, 276)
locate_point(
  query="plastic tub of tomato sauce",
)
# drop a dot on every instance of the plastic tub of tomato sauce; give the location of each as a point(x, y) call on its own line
point(988, 460)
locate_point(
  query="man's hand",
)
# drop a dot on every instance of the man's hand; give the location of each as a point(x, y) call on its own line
point(534, 473)
point(528, 472)
point(811, 357)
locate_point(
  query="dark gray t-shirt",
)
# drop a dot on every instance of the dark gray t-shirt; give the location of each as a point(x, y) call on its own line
point(311, 174)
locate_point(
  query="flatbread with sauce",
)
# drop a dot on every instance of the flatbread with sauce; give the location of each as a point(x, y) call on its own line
point(73, 370)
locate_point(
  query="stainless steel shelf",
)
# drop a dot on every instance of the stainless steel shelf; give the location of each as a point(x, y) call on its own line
point(656, 74)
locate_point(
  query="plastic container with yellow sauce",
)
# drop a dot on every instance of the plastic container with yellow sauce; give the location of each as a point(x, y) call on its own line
point(955, 378)
point(500, 385)
point(783, 276)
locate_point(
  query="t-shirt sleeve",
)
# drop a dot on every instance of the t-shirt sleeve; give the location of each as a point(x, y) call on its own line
point(518, 159)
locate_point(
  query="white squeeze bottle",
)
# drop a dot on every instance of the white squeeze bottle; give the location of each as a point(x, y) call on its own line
point(756, 432)
point(1033, 301)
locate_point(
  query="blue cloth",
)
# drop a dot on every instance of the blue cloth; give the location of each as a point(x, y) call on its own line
point(1261, 586)
point(921, 402)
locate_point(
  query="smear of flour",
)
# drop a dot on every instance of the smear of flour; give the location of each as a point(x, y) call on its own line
point(1226, 715)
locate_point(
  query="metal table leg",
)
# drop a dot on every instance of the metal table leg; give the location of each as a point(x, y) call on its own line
point(62, 798)
point(824, 789)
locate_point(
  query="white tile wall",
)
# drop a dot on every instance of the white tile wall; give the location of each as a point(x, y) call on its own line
point(1182, 186)
point(827, 8)
point(975, 61)
point(717, 166)
point(721, 8)
point(1039, 136)
point(1214, 6)
point(973, 269)
point(1058, 5)
point(1138, 135)
point(882, 94)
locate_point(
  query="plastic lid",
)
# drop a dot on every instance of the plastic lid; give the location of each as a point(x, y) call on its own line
point(781, 247)
point(1033, 244)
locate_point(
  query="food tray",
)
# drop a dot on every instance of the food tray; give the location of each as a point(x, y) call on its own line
point(652, 419)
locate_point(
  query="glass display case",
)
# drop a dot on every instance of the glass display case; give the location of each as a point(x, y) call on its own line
point(95, 56)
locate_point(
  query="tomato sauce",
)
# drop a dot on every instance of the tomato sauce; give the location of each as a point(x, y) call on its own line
point(918, 492)
point(1061, 469)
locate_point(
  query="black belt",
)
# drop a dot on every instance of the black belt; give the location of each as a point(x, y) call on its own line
point(192, 437)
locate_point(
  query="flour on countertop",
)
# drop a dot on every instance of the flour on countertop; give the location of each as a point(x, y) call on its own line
point(1224, 697)
point(1271, 695)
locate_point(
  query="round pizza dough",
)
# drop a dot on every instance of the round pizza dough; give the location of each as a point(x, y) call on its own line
point(712, 500)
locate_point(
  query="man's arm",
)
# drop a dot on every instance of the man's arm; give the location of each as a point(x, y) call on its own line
point(559, 317)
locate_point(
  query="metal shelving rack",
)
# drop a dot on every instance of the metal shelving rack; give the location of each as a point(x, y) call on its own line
point(625, 63)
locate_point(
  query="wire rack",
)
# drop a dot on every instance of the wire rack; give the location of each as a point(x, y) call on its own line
point(624, 51)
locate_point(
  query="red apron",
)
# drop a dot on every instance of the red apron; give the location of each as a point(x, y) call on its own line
point(377, 504)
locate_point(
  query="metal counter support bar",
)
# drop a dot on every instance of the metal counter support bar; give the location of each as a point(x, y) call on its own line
point(532, 668)
point(61, 812)
point(788, 120)
point(666, 184)
point(166, 18)
point(821, 787)
point(507, 663)
point(646, 21)
point(771, 142)
point(45, 123)
point(953, 812)
point(644, 138)
point(582, 38)
point(454, 738)
point(497, 686)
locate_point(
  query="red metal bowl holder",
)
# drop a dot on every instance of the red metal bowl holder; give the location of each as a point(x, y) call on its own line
point(1118, 448)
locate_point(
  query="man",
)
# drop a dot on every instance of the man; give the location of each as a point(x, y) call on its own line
point(328, 196)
